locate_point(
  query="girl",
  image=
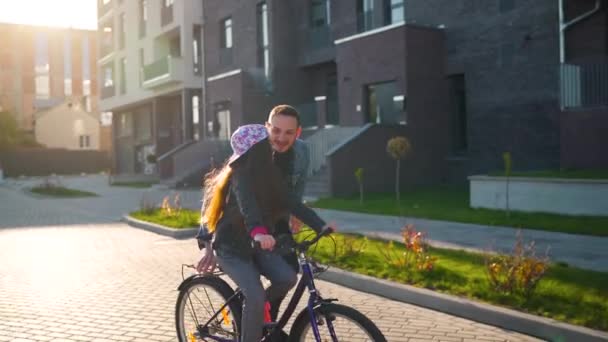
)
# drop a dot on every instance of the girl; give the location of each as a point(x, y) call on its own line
point(243, 202)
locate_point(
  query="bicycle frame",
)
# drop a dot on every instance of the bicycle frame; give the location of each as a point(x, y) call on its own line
point(314, 301)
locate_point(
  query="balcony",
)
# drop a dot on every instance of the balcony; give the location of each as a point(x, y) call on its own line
point(103, 7)
point(107, 92)
point(584, 85)
point(317, 46)
point(162, 72)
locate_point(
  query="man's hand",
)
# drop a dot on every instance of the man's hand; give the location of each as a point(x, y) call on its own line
point(207, 262)
point(266, 241)
point(295, 224)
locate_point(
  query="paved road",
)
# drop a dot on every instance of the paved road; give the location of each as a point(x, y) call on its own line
point(69, 272)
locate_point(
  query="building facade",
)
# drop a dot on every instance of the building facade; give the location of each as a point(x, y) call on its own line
point(43, 67)
point(150, 67)
point(466, 81)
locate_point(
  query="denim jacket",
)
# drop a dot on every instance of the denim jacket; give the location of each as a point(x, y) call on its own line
point(241, 199)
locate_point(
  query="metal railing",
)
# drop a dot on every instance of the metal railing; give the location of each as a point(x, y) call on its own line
point(325, 140)
point(584, 85)
point(319, 37)
point(366, 22)
point(107, 91)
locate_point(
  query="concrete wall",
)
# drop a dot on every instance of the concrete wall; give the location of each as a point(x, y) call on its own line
point(368, 151)
point(559, 196)
point(43, 162)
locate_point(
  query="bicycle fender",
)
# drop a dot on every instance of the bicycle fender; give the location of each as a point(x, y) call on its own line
point(196, 276)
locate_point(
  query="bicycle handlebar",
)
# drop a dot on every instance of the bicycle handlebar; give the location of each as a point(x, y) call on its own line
point(299, 246)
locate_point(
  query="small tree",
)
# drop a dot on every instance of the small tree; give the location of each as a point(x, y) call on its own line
point(398, 148)
point(359, 177)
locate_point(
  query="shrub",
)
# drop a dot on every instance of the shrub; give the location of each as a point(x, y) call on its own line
point(415, 256)
point(519, 272)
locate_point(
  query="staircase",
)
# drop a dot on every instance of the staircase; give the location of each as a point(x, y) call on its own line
point(317, 185)
point(321, 142)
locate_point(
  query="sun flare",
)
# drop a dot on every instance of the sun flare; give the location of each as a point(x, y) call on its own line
point(57, 13)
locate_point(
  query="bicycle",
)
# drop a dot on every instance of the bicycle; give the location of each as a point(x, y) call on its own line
point(200, 295)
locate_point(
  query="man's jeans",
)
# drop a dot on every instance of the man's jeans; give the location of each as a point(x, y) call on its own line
point(246, 274)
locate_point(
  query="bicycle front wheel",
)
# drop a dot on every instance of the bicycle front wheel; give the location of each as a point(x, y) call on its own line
point(336, 323)
point(197, 303)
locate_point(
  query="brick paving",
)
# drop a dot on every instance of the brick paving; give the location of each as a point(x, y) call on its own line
point(69, 272)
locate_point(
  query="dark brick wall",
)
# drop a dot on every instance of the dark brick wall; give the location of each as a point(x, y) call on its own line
point(583, 139)
point(354, 58)
point(42, 162)
point(368, 151)
point(588, 39)
point(509, 57)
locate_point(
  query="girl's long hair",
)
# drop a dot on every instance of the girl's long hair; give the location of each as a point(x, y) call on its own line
point(265, 181)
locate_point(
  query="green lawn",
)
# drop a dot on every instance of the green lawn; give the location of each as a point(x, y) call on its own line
point(185, 218)
point(452, 204)
point(134, 184)
point(571, 174)
point(58, 191)
point(567, 294)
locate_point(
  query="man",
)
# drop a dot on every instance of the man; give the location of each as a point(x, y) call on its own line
point(293, 158)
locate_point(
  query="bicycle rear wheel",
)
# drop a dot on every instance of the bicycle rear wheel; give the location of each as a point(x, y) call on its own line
point(343, 322)
point(197, 302)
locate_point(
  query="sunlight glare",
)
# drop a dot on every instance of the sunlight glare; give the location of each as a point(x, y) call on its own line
point(57, 13)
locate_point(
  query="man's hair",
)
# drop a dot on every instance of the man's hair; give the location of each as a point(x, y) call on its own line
point(285, 110)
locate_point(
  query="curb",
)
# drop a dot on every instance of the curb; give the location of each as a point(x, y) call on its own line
point(541, 327)
point(182, 233)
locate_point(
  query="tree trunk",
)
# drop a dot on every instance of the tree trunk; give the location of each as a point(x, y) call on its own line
point(397, 180)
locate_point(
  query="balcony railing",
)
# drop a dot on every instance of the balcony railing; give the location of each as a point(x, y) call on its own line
point(166, 15)
point(106, 49)
point(366, 21)
point(319, 37)
point(162, 71)
point(584, 85)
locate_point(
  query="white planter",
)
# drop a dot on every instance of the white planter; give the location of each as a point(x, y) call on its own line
point(550, 195)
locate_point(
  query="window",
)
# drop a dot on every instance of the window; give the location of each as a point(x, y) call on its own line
point(42, 67)
point(226, 27)
point(107, 40)
point(196, 51)
point(141, 65)
point(263, 48)
point(195, 118)
point(381, 106)
point(67, 65)
point(122, 22)
point(123, 75)
point(319, 13)
point(86, 67)
point(394, 12)
point(458, 102)
point(143, 17)
point(365, 15)
point(108, 76)
point(85, 141)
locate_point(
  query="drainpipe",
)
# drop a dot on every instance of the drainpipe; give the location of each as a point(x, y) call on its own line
point(563, 26)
